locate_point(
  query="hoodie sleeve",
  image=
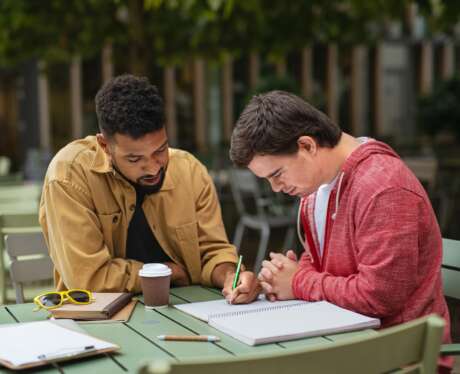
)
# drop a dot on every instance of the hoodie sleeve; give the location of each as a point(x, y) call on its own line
point(387, 234)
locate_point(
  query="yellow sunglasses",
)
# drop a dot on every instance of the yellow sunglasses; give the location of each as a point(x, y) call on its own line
point(54, 299)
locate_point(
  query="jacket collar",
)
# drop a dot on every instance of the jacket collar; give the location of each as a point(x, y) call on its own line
point(101, 164)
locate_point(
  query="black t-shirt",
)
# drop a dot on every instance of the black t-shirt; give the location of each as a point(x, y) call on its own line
point(141, 244)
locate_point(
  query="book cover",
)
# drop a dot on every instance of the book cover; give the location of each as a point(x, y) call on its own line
point(104, 306)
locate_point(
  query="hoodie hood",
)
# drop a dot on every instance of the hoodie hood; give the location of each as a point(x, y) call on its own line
point(364, 151)
point(361, 153)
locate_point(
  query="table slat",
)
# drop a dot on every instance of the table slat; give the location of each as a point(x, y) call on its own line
point(194, 294)
point(152, 323)
point(134, 348)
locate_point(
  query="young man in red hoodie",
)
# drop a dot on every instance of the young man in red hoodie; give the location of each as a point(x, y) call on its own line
point(372, 242)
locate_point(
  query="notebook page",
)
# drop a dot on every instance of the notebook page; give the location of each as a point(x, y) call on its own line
point(27, 341)
point(291, 322)
point(207, 309)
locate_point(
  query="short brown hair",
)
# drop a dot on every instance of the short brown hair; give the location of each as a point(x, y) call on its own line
point(271, 124)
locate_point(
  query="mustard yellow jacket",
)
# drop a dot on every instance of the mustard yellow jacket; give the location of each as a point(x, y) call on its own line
point(86, 207)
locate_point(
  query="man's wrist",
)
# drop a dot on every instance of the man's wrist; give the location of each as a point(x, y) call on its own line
point(222, 272)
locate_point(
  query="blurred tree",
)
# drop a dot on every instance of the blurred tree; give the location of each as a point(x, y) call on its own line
point(442, 15)
point(56, 30)
point(439, 112)
point(169, 30)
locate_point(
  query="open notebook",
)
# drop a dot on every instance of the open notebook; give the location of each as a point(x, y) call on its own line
point(267, 322)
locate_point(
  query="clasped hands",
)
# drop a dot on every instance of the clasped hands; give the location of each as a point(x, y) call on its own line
point(276, 275)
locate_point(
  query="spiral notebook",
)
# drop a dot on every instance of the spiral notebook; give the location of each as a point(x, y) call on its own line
point(269, 322)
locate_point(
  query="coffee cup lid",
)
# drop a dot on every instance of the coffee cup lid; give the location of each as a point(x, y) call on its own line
point(155, 270)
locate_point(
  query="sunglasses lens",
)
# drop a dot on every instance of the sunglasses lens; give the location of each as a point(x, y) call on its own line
point(79, 296)
point(50, 299)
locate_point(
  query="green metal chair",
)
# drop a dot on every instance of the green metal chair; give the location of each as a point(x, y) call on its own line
point(30, 260)
point(451, 282)
point(20, 192)
point(413, 346)
point(13, 223)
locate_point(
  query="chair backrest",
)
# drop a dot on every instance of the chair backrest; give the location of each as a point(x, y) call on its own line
point(27, 192)
point(30, 260)
point(451, 268)
point(5, 164)
point(15, 220)
point(246, 192)
point(414, 345)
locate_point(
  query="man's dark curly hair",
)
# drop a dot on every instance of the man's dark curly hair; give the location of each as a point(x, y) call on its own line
point(130, 106)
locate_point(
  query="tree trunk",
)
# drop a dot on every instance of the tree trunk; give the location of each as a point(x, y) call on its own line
point(139, 56)
point(377, 94)
point(447, 66)
point(107, 62)
point(307, 73)
point(426, 68)
point(76, 106)
point(170, 104)
point(44, 108)
point(254, 70)
point(199, 103)
point(358, 94)
point(227, 97)
point(332, 83)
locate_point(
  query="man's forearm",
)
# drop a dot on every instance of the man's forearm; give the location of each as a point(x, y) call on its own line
point(221, 272)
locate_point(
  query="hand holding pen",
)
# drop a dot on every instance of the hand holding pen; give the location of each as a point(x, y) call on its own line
point(242, 287)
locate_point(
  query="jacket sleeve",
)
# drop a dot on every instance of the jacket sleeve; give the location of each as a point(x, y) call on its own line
point(214, 246)
point(73, 232)
point(387, 238)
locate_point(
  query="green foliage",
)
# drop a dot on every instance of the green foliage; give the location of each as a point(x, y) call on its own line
point(55, 30)
point(442, 15)
point(440, 111)
point(167, 31)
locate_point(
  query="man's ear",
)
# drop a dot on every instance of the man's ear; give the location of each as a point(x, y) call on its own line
point(103, 142)
point(307, 144)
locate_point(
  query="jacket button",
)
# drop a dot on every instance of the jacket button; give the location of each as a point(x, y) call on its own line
point(115, 219)
point(132, 207)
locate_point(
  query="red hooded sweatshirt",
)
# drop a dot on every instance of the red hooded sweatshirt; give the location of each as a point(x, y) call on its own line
point(382, 246)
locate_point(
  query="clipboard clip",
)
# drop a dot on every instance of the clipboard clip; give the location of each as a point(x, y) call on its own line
point(66, 353)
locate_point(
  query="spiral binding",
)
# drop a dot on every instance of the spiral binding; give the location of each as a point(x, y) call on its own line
point(265, 309)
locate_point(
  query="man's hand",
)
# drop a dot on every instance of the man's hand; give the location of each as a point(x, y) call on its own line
point(179, 276)
point(247, 290)
point(276, 275)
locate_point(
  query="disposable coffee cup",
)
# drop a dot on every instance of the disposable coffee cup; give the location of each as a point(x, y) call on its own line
point(155, 281)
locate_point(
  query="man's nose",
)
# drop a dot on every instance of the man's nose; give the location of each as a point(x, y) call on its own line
point(276, 186)
point(152, 167)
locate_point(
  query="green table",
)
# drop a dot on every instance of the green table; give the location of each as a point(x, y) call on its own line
point(138, 337)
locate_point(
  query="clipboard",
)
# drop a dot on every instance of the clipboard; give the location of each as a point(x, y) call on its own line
point(26, 348)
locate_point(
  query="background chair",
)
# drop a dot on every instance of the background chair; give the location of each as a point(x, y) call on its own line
point(451, 283)
point(30, 260)
point(13, 223)
point(413, 345)
point(259, 211)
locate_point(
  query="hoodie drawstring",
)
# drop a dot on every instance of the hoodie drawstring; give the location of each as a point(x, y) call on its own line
point(302, 207)
point(337, 196)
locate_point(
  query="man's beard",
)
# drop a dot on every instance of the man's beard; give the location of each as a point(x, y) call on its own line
point(151, 188)
point(148, 189)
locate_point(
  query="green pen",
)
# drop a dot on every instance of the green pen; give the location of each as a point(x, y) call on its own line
point(237, 274)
